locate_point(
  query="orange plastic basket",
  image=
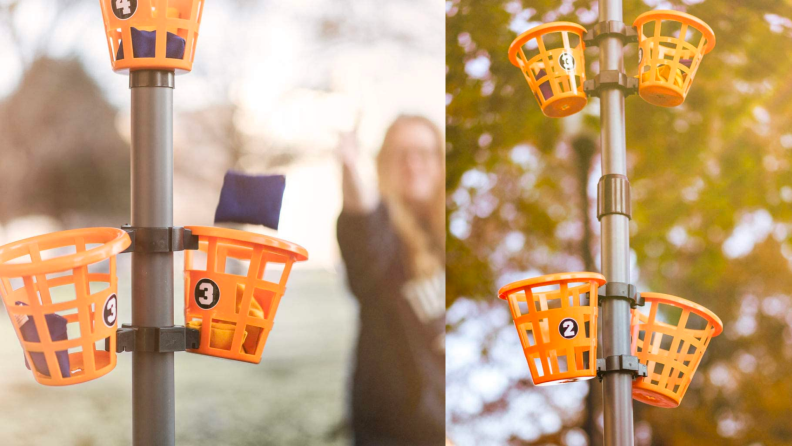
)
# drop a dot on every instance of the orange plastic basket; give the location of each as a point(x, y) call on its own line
point(60, 292)
point(670, 350)
point(164, 41)
point(237, 309)
point(556, 69)
point(671, 45)
point(557, 325)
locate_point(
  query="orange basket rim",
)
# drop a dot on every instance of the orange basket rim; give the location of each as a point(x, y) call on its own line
point(504, 292)
point(301, 254)
point(665, 14)
point(119, 241)
point(702, 311)
point(545, 28)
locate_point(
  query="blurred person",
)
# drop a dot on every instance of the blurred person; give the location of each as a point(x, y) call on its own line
point(393, 245)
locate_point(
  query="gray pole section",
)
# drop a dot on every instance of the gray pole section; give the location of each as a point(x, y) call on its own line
point(153, 400)
point(615, 230)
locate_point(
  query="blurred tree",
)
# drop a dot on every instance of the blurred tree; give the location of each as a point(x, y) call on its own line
point(62, 155)
point(711, 199)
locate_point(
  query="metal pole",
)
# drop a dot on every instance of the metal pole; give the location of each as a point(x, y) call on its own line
point(615, 230)
point(153, 400)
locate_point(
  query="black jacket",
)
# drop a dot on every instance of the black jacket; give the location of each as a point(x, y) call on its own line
point(398, 389)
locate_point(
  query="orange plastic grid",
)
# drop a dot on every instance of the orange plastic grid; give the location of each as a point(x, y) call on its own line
point(182, 18)
point(40, 274)
point(557, 72)
point(558, 327)
point(235, 312)
point(671, 46)
point(671, 351)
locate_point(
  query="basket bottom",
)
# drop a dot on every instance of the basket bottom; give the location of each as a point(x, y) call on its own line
point(104, 362)
point(654, 397)
point(661, 95)
point(560, 107)
point(562, 380)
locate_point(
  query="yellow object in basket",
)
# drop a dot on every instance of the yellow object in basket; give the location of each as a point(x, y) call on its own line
point(663, 74)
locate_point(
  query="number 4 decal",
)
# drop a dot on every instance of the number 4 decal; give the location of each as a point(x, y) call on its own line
point(124, 9)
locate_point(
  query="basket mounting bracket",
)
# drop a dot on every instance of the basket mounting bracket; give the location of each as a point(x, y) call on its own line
point(621, 363)
point(610, 28)
point(155, 339)
point(153, 239)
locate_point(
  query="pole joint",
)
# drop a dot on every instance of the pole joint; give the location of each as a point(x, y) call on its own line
point(157, 239)
point(610, 28)
point(608, 80)
point(621, 363)
point(613, 196)
point(620, 290)
point(155, 339)
point(152, 78)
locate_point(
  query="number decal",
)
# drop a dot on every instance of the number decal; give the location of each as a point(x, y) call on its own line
point(110, 313)
point(124, 9)
point(568, 328)
point(567, 61)
point(207, 294)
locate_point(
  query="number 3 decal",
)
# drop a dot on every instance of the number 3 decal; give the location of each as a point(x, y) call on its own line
point(110, 313)
point(568, 328)
point(207, 294)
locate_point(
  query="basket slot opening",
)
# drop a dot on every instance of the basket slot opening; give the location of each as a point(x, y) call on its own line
point(539, 370)
point(235, 266)
point(63, 293)
point(16, 283)
point(271, 272)
point(101, 267)
point(553, 40)
point(563, 367)
point(696, 322)
point(198, 261)
point(252, 339)
point(661, 343)
point(522, 305)
point(222, 334)
point(529, 336)
point(586, 356)
point(73, 331)
point(58, 252)
point(99, 345)
point(587, 329)
point(97, 287)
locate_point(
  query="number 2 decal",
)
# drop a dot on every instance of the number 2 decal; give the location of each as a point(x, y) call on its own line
point(568, 328)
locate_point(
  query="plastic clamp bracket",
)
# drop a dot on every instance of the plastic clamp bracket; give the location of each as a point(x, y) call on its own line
point(610, 79)
point(621, 363)
point(155, 339)
point(613, 196)
point(610, 28)
point(153, 239)
point(620, 290)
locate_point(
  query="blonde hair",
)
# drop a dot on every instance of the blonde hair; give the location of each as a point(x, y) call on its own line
point(422, 231)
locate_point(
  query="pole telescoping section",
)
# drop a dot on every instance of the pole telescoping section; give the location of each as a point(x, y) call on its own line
point(556, 315)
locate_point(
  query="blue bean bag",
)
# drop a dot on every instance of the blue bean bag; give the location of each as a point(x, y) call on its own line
point(252, 199)
point(144, 45)
point(57, 330)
